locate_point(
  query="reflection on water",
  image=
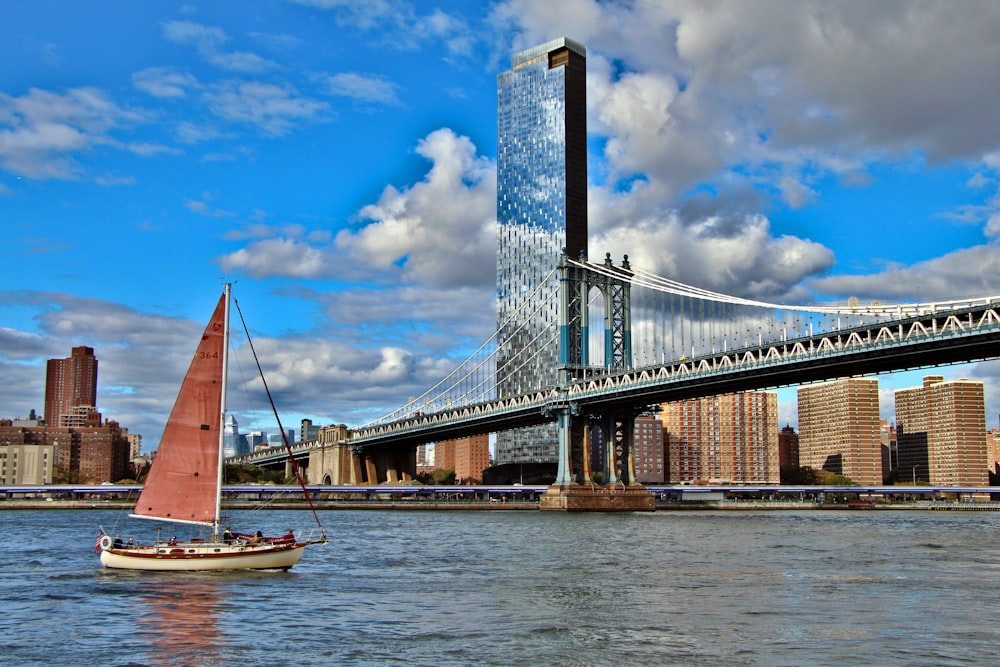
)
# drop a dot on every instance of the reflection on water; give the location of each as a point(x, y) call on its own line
point(178, 616)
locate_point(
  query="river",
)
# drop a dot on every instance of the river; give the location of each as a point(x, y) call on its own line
point(522, 588)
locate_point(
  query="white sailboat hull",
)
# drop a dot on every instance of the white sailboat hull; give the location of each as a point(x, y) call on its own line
point(202, 556)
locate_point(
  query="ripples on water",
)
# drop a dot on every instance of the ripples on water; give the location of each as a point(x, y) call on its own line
point(523, 588)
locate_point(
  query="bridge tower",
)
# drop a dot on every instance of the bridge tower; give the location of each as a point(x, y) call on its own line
point(618, 490)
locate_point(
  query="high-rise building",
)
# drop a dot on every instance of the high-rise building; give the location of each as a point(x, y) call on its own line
point(839, 429)
point(730, 438)
point(468, 457)
point(941, 433)
point(231, 438)
point(788, 447)
point(71, 388)
point(255, 440)
point(649, 454)
point(993, 450)
point(309, 432)
point(890, 454)
point(425, 456)
point(27, 457)
point(85, 455)
point(541, 210)
point(134, 444)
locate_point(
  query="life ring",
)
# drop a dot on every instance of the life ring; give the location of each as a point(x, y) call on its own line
point(105, 542)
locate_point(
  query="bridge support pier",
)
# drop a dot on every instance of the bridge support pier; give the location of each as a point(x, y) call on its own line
point(574, 489)
point(390, 467)
point(569, 494)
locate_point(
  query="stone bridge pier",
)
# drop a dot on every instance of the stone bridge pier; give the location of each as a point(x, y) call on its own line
point(334, 462)
point(338, 463)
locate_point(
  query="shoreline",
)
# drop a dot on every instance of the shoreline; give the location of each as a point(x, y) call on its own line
point(478, 505)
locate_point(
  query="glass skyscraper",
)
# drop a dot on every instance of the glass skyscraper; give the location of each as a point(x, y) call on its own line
point(541, 210)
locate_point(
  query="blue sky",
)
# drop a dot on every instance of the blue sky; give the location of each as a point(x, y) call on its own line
point(337, 160)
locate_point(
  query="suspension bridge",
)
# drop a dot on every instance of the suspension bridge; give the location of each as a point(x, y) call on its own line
point(629, 339)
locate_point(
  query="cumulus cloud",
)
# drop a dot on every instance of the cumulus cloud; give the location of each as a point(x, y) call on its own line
point(772, 89)
point(443, 229)
point(439, 232)
point(970, 271)
point(739, 257)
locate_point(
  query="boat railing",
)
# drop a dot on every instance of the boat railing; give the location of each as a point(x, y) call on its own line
point(313, 536)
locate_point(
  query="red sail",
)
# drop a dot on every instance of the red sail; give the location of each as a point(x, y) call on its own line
point(182, 482)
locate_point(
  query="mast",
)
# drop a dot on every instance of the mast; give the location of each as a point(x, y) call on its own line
point(222, 416)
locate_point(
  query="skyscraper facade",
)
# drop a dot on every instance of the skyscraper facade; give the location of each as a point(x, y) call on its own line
point(731, 438)
point(649, 454)
point(231, 445)
point(541, 210)
point(941, 433)
point(71, 388)
point(788, 447)
point(839, 429)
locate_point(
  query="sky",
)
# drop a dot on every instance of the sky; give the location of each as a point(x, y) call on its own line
point(336, 161)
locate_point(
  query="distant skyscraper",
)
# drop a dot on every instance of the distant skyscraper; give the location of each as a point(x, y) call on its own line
point(839, 429)
point(541, 209)
point(71, 388)
point(231, 438)
point(309, 432)
point(134, 444)
point(255, 439)
point(941, 433)
point(731, 438)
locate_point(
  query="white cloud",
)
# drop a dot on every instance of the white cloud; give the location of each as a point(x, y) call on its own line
point(208, 41)
point(42, 133)
point(439, 232)
point(970, 271)
point(693, 92)
point(400, 25)
point(203, 207)
point(274, 110)
point(164, 82)
point(736, 255)
point(362, 87)
point(443, 229)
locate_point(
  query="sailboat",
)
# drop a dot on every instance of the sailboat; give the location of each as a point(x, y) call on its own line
point(184, 484)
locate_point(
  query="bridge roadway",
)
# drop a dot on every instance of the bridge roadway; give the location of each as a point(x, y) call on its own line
point(959, 335)
point(291, 493)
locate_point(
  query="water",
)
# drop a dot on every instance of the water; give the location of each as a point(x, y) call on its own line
point(523, 588)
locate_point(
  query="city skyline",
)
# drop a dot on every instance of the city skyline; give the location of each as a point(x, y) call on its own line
point(339, 163)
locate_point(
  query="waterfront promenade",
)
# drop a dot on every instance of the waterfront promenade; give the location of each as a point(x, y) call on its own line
point(518, 497)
